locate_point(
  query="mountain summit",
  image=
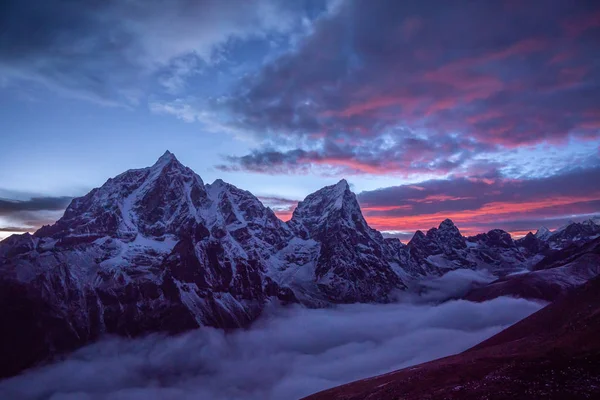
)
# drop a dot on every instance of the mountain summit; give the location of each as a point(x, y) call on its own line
point(155, 249)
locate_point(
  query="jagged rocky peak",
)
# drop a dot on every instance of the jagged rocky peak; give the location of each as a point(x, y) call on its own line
point(152, 201)
point(166, 158)
point(242, 213)
point(494, 238)
point(531, 243)
point(418, 237)
point(574, 232)
point(447, 235)
point(543, 233)
point(328, 207)
point(448, 226)
point(351, 264)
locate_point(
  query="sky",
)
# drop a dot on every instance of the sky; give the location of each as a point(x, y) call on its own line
point(484, 112)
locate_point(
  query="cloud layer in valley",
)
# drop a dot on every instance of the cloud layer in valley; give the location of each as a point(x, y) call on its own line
point(287, 354)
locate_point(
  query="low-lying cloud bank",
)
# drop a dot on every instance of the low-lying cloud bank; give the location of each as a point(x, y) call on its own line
point(452, 285)
point(288, 354)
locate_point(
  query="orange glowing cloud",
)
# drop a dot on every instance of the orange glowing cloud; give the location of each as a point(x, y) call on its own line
point(491, 212)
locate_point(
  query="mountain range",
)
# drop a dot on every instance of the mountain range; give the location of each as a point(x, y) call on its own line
point(158, 250)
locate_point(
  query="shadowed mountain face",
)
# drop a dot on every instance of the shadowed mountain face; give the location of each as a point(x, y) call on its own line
point(553, 276)
point(552, 354)
point(156, 249)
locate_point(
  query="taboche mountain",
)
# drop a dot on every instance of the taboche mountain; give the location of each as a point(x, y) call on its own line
point(156, 249)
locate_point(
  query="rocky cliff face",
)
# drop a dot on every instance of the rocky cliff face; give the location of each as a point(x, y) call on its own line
point(151, 250)
point(156, 249)
point(351, 264)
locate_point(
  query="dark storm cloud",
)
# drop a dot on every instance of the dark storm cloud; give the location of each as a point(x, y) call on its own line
point(480, 204)
point(501, 74)
point(29, 215)
point(34, 204)
point(14, 229)
point(105, 50)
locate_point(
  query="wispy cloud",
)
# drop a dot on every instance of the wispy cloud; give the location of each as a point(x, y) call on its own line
point(30, 214)
point(399, 70)
point(112, 51)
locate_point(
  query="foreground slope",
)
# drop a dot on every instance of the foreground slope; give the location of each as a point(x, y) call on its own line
point(552, 354)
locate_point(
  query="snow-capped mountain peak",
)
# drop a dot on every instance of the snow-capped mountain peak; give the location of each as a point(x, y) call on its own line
point(592, 221)
point(331, 205)
point(156, 249)
point(447, 235)
point(152, 201)
point(448, 226)
point(543, 233)
point(166, 158)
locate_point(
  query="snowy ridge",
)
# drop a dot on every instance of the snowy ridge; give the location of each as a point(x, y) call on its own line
point(155, 249)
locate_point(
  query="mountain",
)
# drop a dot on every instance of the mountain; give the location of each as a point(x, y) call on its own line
point(574, 232)
point(552, 354)
point(157, 250)
point(543, 233)
point(153, 249)
point(553, 276)
point(557, 262)
point(351, 264)
point(545, 240)
point(444, 248)
point(531, 244)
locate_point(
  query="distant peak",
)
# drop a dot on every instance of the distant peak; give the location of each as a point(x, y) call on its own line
point(417, 237)
point(447, 223)
point(340, 188)
point(342, 184)
point(542, 233)
point(165, 159)
point(592, 221)
point(167, 155)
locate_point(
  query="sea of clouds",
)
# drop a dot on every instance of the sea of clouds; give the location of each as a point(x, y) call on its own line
point(289, 353)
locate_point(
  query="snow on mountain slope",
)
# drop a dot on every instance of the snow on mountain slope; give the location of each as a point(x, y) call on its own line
point(572, 232)
point(151, 250)
point(444, 248)
point(552, 277)
point(543, 233)
point(155, 249)
point(351, 264)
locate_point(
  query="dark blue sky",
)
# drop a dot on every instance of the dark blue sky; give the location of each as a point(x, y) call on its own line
point(484, 111)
